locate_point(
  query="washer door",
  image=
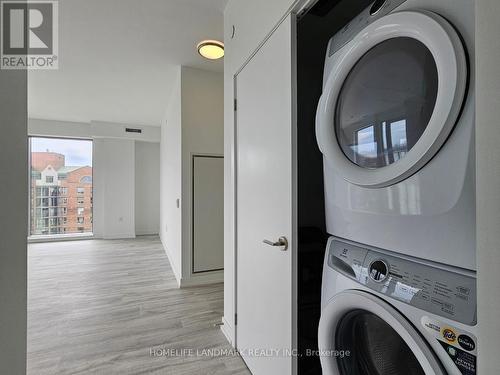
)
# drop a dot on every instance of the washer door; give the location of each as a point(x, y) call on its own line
point(380, 341)
point(392, 98)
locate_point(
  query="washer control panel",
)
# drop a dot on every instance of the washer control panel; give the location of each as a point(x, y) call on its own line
point(437, 290)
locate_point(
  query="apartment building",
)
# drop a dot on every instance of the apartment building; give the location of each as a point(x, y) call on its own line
point(61, 199)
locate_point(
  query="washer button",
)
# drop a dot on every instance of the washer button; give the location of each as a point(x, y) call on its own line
point(378, 270)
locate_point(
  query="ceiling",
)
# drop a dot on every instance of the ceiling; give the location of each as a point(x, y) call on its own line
point(118, 58)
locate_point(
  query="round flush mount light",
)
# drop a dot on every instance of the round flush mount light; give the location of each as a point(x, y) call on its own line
point(211, 49)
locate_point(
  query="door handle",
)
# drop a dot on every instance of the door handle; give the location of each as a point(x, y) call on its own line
point(282, 242)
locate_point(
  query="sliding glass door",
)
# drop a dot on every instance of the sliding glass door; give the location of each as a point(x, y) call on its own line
point(61, 192)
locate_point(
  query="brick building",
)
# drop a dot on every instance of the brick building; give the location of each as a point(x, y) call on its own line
point(40, 160)
point(61, 199)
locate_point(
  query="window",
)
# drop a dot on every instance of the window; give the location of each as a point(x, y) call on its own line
point(42, 191)
point(86, 180)
point(60, 185)
point(366, 145)
point(398, 139)
point(42, 223)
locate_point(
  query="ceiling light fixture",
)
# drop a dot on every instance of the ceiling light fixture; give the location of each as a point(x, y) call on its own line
point(211, 49)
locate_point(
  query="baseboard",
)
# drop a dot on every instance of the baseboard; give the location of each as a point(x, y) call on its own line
point(227, 330)
point(173, 266)
point(125, 236)
point(195, 279)
point(146, 234)
point(204, 278)
point(62, 237)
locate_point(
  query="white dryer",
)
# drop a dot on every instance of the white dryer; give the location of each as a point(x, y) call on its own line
point(387, 314)
point(395, 124)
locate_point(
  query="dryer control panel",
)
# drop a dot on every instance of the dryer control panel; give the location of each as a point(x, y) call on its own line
point(437, 290)
point(375, 11)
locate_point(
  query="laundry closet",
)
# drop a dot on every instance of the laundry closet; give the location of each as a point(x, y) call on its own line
point(276, 231)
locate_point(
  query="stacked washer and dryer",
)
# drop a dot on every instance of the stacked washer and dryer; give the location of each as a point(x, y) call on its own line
point(395, 124)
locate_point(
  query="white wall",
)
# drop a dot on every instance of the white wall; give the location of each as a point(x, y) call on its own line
point(171, 179)
point(64, 129)
point(114, 188)
point(147, 188)
point(193, 125)
point(112, 130)
point(252, 21)
point(202, 133)
point(93, 129)
point(13, 221)
point(488, 182)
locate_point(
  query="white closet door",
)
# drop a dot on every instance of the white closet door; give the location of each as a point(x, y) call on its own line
point(265, 196)
point(208, 213)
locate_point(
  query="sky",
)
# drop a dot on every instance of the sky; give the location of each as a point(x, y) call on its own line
point(77, 152)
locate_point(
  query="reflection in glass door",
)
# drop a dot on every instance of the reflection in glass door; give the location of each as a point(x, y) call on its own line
point(381, 144)
point(61, 189)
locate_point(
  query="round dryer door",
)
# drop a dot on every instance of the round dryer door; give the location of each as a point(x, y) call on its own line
point(360, 334)
point(392, 98)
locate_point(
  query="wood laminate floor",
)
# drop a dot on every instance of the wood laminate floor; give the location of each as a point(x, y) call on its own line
point(100, 307)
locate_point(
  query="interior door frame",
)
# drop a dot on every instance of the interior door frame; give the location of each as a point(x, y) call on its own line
point(299, 4)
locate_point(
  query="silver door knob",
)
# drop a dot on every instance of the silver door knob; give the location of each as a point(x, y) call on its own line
point(282, 242)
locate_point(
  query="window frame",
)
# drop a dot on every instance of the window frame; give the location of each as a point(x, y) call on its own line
point(42, 192)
